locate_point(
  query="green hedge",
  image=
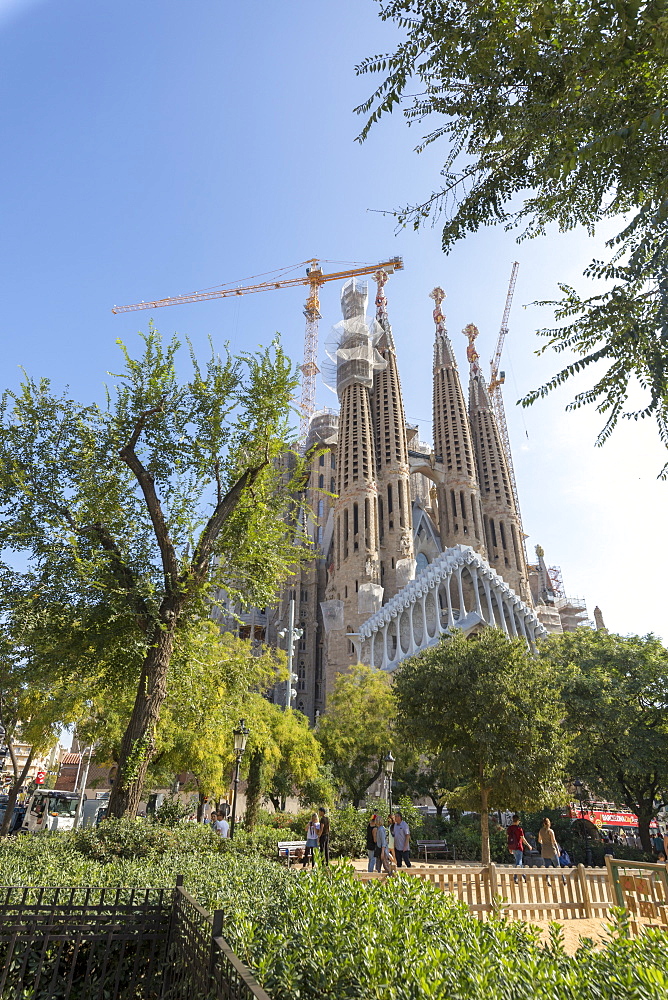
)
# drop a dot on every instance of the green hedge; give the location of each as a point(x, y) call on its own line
point(324, 934)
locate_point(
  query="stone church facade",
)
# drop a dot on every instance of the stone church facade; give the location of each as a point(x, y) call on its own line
point(409, 540)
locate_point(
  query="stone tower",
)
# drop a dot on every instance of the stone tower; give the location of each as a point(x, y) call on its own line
point(459, 507)
point(355, 578)
point(503, 532)
point(395, 522)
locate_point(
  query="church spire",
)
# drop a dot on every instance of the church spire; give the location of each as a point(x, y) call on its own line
point(395, 524)
point(460, 513)
point(355, 574)
point(503, 530)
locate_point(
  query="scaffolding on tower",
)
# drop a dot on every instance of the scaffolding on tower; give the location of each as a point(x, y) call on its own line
point(314, 278)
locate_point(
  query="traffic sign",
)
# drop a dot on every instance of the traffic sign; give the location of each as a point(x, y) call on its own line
point(39, 777)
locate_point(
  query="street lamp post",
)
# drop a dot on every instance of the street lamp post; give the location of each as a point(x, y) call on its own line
point(240, 736)
point(388, 768)
point(292, 634)
point(578, 785)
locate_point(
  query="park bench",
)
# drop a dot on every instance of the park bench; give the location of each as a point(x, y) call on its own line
point(427, 847)
point(291, 850)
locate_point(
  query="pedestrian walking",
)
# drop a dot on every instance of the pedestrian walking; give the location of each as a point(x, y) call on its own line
point(323, 836)
point(402, 841)
point(390, 838)
point(517, 842)
point(371, 842)
point(382, 852)
point(312, 840)
point(549, 848)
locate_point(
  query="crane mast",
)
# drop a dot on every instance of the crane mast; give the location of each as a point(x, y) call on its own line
point(314, 278)
point(497, 379)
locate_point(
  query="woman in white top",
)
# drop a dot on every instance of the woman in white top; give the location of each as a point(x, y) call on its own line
point(312, 835)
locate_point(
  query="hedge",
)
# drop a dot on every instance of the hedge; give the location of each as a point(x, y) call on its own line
point(325, 934)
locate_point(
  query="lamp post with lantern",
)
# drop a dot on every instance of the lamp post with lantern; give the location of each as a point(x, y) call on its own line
point(579, 786)
point(240, 737)
point(388, 768)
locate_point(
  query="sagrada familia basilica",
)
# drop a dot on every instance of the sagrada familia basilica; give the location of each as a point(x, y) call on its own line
point(409, 541)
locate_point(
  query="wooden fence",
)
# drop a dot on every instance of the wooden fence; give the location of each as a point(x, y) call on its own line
point(527, 893)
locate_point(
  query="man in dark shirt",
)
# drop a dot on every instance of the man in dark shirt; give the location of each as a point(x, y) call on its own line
point(324, 835)
point(517, 842)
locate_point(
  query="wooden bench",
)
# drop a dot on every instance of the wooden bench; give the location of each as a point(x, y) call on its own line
point(427, 847)
point(291, 850)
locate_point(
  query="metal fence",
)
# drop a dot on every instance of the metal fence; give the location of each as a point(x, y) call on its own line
point(115, 944)
point(201, 963)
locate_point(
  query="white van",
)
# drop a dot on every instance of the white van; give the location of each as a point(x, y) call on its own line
point(50, 810)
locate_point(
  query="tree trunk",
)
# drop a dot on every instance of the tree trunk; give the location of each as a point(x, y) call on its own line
point(645, 817)
point(254, 789)
point(484, 823)
point(14, 790)
point(138, 742)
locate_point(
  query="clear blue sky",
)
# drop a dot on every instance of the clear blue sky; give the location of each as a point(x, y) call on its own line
point(161, 146)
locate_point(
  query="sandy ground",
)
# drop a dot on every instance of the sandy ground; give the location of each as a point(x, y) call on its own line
point(575, 930)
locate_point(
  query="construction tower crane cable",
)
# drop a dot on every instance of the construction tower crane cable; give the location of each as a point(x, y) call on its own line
point(315, 278)
point(497, 378)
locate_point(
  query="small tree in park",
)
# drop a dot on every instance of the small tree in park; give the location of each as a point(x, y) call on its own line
point(133, 513)
point(357, 730)
point(615, 690)
point(491, 710)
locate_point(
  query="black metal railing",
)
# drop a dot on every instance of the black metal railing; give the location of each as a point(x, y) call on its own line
point(201, 961)
point(115, 944)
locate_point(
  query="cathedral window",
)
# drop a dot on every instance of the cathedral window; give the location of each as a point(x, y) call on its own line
point(321, 482)
point(332, 460)
point(356, 519)
point(322, 459)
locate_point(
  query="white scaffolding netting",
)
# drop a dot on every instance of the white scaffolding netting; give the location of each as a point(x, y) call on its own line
point(351, 348)
point(405, 571)
point(332, 615)
point(369, 598)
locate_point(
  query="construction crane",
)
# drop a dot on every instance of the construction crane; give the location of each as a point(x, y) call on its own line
point(496, 380)
point(314, 278)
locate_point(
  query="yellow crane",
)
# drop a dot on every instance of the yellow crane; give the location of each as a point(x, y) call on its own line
point(314, 278)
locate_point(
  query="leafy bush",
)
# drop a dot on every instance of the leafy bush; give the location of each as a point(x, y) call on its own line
point(347, 832)
point(326, 934)
point(406, 939)
point(126, 838)
point(171, 813)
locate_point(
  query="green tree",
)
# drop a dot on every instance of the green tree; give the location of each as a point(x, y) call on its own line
point(551, 113)
point(491, 708)
point(136, 511)
point(430, 776)
point(357, 730)
point(615, 690)
point(211, 677)
point(283, 755)
point(34, 704)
